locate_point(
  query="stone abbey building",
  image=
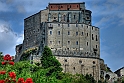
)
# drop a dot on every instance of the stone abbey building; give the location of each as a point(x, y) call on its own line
point(66, 28)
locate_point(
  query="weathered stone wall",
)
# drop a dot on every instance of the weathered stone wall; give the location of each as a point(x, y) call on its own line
point(75, 38)
point(80, 65)
point(33, 29)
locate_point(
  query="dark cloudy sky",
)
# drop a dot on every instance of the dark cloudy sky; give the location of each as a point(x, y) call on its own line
point(108, 15)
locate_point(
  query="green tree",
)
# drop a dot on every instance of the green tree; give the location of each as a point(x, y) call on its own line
point(49, 60)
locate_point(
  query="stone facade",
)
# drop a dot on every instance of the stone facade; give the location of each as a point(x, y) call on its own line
point(80, 65)
point(73, 39)
point(66, 28)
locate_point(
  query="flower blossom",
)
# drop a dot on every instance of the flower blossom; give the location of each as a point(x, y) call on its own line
point(2, 72)
point(11, 63)
point(7, 57)
point(3, 63)
point(21, 80)
point(2, 81)
point(12, 75)
point(28, 80)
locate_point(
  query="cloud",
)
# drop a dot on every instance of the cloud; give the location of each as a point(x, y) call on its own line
point(4, 7)
point(21, 9)
point(8, 38)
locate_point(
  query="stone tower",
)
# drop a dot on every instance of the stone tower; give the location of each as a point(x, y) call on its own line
point(66, 28)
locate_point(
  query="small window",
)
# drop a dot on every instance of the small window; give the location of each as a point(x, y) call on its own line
point(58, 25)
point(50, 32)
point(61, 6)
point(74, 68)
point(87, 26)
point(51, 6)
point(87, 43)
point(93, 62)
point(76, 33)
point(50, 42)
point(70, 6)
point(54, 17)
point(96, 38)
point(69, 42)
point(58, 42)
point(38, 30)
point(82, 33)
point(92, 37)
point(68, 32)
point(92, 28)
point(58, 32)
point(76, 42)
point(77, 5)
point(96, 46)
point(74, 16)
point(87, 34)
point(64, 17)
point(80, 61)
point(65, 60)
point(88, 18)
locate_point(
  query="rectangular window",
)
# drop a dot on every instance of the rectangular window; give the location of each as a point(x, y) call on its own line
point(76, 33)
point(96, 46)
point(58, 42)
point(92, 28)
point(87, 34)
point(68, 32)
point(76, 42)
point(74, 16)
point(96, 38)
point(87, 43)
point(64, 17)
point(92, 37)
point(50, 32)
point(82, 33)
point(58, 32)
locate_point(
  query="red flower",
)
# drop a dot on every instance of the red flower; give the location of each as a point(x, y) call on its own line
point(11, 63)
point(21, 80)
point(12, 75)
point(7, 57)
point(2, 72)
point(3, 63)
point(2, 81)
point(28, 80)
